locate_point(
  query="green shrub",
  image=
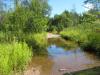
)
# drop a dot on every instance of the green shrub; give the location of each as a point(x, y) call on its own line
point(38, 42)
point(93, 43)
point(13, 57)
point(75, 34)
point(86, 36)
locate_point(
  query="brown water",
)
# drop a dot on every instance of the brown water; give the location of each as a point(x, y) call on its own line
point(63, 56)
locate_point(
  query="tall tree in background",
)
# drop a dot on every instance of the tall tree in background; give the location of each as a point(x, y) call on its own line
point(28, 16)
point(95, 3)
point(64, 20)
point(2, 6)
point(96, 7)
point(74, 16)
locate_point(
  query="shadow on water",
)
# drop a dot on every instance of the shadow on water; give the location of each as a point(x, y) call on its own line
point(64, 57)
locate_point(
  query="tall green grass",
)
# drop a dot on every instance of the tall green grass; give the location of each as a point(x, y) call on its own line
point(37, 42)
point(74, 34)
point(14, 57)
point(86, 36)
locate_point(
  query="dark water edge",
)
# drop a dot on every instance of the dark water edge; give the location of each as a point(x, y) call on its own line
point(92, 71)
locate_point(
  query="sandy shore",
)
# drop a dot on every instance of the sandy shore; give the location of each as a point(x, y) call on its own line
point(50, 35)
point(33, 71)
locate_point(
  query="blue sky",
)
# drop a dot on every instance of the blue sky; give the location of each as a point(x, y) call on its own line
point(58, 6)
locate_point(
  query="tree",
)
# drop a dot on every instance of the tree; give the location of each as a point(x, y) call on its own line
point(28, 17)
point(95, 3)
point(59, 22)
point(96, 7)
point(40, 15)
point(87, 18)
point(1, 6)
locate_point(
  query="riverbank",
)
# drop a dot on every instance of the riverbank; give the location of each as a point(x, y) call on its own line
point(92, 71)
point(87, 38)
point(40, 65)
point(33, 71)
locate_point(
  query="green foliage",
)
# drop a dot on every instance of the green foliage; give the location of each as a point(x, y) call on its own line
point(85, 35)
point(95, 3)
point(87, 18)
point(27, 17)
point(64, 20)
point(35, 24)
point(24, 24)
point(38, 42)
point(84, 29)
point(13, 57)
point(93, 43)
point(74, 34)
point(24, 21)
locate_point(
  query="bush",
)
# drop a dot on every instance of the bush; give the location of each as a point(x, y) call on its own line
point(38, 43)
point(75, 34)
point(93, 43)
point(13, 57)
point(9, 36)
point(86, 36)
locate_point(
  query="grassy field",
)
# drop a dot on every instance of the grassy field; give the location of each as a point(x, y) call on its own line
point(93, 71)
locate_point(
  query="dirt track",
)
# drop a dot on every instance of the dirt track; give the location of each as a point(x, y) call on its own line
point(50, 35)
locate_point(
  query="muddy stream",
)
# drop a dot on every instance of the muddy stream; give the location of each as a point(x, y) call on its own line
point(63, 56)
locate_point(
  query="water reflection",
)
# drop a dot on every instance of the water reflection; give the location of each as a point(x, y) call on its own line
point(53, 50)
point(63, 58)
point(70, 60)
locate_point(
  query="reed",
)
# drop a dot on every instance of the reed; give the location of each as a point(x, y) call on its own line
point(14, 57)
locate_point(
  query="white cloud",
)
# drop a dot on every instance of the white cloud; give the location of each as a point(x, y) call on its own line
point(88, 6)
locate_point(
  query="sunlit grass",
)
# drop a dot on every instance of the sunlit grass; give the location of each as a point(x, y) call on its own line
point(13, 57)
point(86, 36)
point(37, 42)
